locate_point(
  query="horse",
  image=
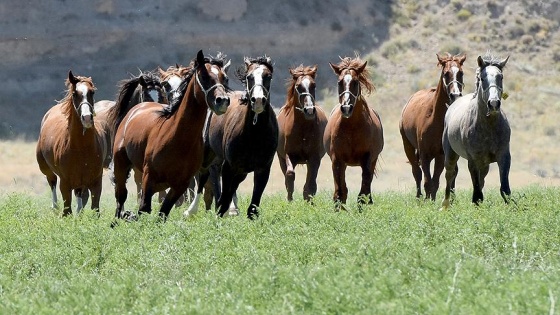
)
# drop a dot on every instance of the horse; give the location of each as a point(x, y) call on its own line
point(72, 146)
point(354, 134)
point(146, 87)
point(243, 140)
point(477, 129)
point(162, 142)
point(421, 123)
point(301, 125)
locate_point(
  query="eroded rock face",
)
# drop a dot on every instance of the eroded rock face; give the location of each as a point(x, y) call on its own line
point(109, 39)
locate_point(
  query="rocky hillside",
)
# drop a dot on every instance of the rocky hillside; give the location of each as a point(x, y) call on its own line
point(109, 40)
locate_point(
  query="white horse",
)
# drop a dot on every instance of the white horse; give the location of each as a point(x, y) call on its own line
point(477, 129)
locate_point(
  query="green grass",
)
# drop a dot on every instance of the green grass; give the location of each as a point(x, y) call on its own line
point(399, 256)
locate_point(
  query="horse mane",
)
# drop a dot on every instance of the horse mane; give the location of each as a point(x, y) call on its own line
point(363, 77)
point(177, 70)
point(299, 71)
point(127, 87)
point(241, 72)
point(189, 72)
point(66, 102)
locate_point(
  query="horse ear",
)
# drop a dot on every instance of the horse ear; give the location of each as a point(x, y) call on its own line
point(177, 65)
point(313, 70)
point(440, 59)
point(462, 59)
point(502, 63)
point(72, 78)
point(226, 66)
point(247, 62)
point(362, 66)
point(335, 68)
point(161, 72)
point(200, 58)
point(481, 63)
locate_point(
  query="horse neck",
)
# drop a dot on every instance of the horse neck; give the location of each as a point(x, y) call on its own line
point(441, 99)
point(76, 130)
point(191, 112)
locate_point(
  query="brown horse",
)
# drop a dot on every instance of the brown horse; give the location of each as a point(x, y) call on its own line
point(354, 135)
point(421, 123)
point(243, 140)
point(72, 146)
point(165, 143)
point(301, 126)
point(172, 78)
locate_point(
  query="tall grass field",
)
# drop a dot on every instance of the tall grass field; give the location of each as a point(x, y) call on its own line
point(398, 256)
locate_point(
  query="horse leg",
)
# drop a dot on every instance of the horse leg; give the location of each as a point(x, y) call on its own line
point(79, 193)
point(438, 169)
point(503, 165)
point(138, 182)
point(203, 176)
point(367, 176)
point(51, 178)
point(212, 189)
point(170, 199)
point(121, 171)
point(425, 166)
point(414, 161)
point(288, 182)
point(96, 193)
point(477, 196)
point(230, 183)
point(66, 193)
point(340, 189)
point(451, 170)
point(260, 180)
point(310, 187)
point(147, 194)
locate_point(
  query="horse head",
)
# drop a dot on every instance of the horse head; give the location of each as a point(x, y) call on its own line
point(212, 81)
point(257, 76)
point(452, 75)
point(82, 90)
point(303, 82)
point(171, 80)
point(151, 89)
point(490, 82)
point(352, 75)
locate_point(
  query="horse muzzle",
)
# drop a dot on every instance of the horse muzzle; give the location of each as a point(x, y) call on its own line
point(257, 104)
point(221, 104)
point(86, 115)
point(453, 97)
point(346, 110)
point(493, 106)
point(309, 112)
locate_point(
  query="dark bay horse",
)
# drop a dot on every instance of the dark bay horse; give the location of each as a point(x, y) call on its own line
point(421, 123)
point(477, 129)
point(146, 87)
point(244, 139)
point(301, 126)
point(72, 146)
point(353, 135)
point(165, 143)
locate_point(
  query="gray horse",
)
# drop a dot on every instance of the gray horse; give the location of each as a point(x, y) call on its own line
point(478, 130)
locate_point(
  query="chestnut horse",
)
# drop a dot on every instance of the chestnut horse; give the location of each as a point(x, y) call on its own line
point(146, 87)
point(421, 123)
point(353, 135)
point(301, 126)
point(165, 143)
point(243, 140)
point(72, 146)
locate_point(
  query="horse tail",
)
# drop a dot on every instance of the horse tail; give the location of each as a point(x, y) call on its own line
point(122, 106)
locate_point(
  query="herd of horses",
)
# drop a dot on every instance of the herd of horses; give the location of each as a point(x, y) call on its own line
point(184, 127)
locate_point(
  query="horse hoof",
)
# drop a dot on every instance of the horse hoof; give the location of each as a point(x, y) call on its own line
point(233, 212)
point(128, 216)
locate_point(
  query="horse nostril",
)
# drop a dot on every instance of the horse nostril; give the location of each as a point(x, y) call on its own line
point(253, 99)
